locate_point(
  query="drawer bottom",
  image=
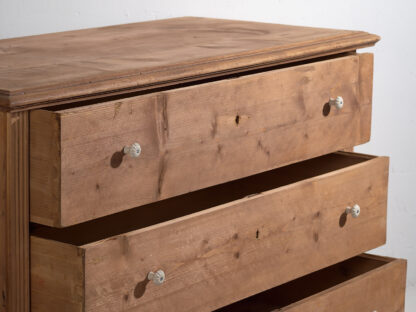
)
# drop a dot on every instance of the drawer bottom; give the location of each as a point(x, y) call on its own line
point(365, 283)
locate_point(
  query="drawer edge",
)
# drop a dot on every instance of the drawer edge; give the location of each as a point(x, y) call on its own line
point(57, 276)
point(45, 167)
point(367, 285)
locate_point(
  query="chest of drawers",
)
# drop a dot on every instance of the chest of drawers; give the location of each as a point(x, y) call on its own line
point(192, 164)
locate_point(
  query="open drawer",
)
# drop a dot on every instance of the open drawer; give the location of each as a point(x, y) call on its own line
point(217, 245)
point(365, 283)
point(192, 137)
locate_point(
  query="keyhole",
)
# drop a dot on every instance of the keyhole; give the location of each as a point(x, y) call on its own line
point(237, 120)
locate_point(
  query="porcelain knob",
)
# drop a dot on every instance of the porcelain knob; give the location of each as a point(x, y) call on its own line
point(157, 277)
point(338, 102)
point(133, 150)
point(354, 211)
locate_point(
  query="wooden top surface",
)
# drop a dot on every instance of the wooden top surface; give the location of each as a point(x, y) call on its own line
point(54, 68)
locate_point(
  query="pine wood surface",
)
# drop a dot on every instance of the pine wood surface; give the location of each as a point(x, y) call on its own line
point(192, 137)
point(54, 68)
point(228, 252)
point(14, 212)
point(69, 69)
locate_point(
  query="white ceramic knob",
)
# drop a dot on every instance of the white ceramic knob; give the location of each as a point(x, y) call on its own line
point(157, 277)
point(133, 150)
point(338, 102)
point(354, 211)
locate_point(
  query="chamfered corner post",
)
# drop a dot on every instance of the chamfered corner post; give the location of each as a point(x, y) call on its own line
point(14, 212)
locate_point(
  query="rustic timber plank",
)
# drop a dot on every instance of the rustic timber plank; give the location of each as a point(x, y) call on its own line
point(191, 138)
point(365, 85)
point(45, 184)
point(214, 251)
point(3, 203)
point(14, 212)
point(98, 61)
point(57, 268)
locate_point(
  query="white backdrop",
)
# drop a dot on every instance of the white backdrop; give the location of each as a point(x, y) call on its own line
point(394, 112)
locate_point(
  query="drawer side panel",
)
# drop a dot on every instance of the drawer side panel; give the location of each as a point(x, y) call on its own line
point(57, 276)
point(45, 167)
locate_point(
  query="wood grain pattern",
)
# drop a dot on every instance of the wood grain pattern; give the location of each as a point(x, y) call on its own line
point(365, 85)
point(191, 138)
point(14, 212)
point(213, 252)
point(45, 184)
point(3, 203)
point(361, 284)
point(94, 62)
point(57, 279)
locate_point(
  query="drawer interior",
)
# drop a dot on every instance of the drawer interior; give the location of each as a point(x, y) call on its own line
point(284, 295)
point(172, 208)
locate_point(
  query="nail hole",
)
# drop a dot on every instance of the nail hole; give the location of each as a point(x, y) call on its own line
point(257, 234)
point(326, 109)
point(237, 120)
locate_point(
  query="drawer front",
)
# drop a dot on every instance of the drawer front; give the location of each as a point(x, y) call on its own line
point(192, 137)
point(222, 254)
point(362, 284)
